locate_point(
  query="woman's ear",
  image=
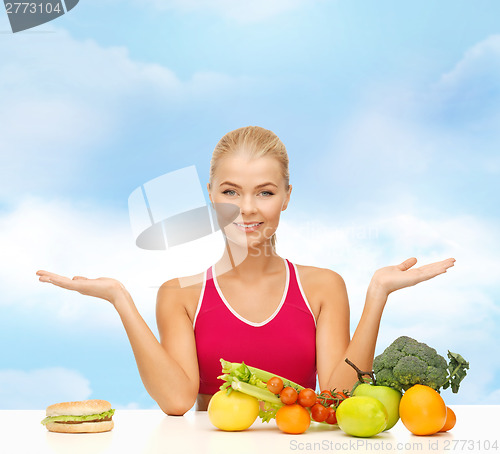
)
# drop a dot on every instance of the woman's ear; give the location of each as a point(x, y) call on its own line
point(287, 198)
point(209, 195)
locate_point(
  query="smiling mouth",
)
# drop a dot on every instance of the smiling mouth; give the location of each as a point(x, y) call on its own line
point(248, 227)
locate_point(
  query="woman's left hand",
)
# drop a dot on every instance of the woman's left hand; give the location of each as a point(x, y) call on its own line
point(390, 278)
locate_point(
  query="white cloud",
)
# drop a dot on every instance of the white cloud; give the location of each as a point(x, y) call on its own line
point(57, 63)
point(244, 12)
point(91, 241)
point(38, 388)
point(420, 137)
point(64, 99)
point(382, 152)
point(469, 93)
point(480, 61)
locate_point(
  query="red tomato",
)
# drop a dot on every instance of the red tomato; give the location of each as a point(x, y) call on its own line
point(275, 385)
point(293, 419)
point(340, 395)
point(289, 395)
point(319, 413)
point(325, 398)
point(307, 397)
point(332, 416)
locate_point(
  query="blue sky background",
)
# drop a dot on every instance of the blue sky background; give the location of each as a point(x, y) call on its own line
point(390, 115)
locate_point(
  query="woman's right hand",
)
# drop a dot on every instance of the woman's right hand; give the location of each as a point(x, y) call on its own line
point(102, 287)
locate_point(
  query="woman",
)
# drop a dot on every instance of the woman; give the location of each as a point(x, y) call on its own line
point(252, 305)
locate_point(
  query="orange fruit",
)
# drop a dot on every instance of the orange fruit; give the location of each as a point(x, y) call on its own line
point(422, 410)
point(293, 419)
point(451, 419)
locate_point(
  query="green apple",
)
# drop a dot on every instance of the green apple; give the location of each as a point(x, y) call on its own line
point(388, 396)
point(362, 416)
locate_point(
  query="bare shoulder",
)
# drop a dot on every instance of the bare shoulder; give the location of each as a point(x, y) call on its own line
point(320, 277)
point(323, 287)
point(180, 292)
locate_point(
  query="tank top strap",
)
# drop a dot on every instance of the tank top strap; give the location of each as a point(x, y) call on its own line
point(211, 295)
point(293, 276)
point(208, 294)
point(296, 294)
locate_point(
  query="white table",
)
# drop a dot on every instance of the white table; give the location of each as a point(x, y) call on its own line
point(151, 431)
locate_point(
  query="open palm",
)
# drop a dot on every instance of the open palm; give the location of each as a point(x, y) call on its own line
point(102, 287)
point(391, 278)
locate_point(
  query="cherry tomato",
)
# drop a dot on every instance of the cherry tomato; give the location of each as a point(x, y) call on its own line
point(332, 416)
point(319, 413)
point(288, 396)
point(325, 398)
point(307, 397)
point(293, 419)
point(340, 395)
point(275, 385)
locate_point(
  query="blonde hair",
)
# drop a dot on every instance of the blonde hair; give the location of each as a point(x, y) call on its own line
point(254, 142)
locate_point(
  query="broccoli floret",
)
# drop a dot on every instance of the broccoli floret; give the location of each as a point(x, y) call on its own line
point(409, 371)
point(436, 376)
point(378, 363)
point(390, 360)
point(385, 377)
point(407, 362)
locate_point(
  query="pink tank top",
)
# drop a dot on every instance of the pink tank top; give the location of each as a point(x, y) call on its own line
point(284, 344)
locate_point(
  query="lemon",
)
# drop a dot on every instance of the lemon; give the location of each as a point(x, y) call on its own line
point(236, 411)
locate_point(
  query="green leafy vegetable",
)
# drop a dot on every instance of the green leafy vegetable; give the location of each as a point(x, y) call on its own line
point(63, 418)
point(456, 371)
point(407, 362)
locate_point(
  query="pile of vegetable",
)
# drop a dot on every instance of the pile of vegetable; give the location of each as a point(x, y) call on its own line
point(405, 383)
point(407, 362)
point(292, 405)
point(419, 372)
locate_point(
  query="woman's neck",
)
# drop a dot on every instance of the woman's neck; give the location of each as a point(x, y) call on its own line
point(248, 264)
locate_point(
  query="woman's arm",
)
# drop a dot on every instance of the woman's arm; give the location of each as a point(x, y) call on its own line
point(169, 371)
point(332, 325)
point(361, 349)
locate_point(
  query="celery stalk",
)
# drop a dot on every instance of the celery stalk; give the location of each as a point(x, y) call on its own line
point(252, 375)
point(259, 393)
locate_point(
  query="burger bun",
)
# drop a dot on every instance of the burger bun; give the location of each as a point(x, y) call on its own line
point(79, 408)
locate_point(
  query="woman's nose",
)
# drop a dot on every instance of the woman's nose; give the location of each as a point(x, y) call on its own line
point(247, 205)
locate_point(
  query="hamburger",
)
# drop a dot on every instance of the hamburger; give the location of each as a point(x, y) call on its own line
point(87, 416)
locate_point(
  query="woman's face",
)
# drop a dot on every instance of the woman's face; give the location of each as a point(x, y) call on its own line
point(257, 188)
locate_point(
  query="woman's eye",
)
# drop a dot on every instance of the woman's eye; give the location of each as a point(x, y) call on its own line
point(267, 193)
point(229, 192)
